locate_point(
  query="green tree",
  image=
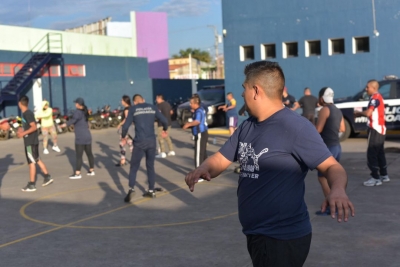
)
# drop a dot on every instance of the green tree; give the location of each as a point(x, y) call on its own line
point(196, 53)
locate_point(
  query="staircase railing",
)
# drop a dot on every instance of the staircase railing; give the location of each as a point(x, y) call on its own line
point(50, 43)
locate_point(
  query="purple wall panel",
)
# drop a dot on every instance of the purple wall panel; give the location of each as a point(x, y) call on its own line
point(152, 42)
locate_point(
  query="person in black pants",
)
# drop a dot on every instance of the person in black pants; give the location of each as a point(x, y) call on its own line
point(126, 103)
point(143, 116)
point(83, 138)
point(199, 131)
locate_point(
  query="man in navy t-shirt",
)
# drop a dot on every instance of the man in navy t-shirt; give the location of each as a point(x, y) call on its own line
point(275, 147)
point(143, 116)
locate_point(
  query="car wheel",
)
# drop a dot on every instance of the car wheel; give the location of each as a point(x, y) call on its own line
point(346, 134)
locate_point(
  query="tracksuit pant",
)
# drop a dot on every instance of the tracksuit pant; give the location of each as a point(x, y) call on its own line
point(200, 148)
point(144, 148)
point(376, 154)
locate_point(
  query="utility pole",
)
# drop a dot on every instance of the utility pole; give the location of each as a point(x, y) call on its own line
point(216, 50)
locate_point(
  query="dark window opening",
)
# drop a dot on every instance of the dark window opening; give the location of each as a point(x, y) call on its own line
point(314, 48)
point(338, 46)
point(362, 44)
point(292, 50)
point(270, 51)
point(248, 52)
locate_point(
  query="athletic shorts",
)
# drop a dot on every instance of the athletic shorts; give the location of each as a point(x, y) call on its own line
point(233, 122)
point(336, 153)
point(32, 153)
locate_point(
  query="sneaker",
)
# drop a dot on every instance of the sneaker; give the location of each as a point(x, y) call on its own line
point(171, 153)
point(45, 151)
point(150, 194)
point(129, 196)
point(373, 182)
point(91, 173)
point(75, 176)
point(385, 178)
point(47, 180)
point(161, 155)
point(30, 187)
point(56, 149)
point(158, 189)
point(121, 164)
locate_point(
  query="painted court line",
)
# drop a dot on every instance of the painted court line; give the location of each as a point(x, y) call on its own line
point(71, 225)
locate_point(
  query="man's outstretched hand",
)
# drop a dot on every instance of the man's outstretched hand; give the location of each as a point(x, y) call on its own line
point(193, 177)
point(339, 202)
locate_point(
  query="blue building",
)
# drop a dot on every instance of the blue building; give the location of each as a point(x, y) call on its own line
point(341, 44)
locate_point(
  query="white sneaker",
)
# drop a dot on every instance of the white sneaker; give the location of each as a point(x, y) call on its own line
point(45, 151)
point(385, 178)
point(161, 155)
point(56, 149)
point(75, 176)
point(373, 182)
point(171, 153)
point(91, 173)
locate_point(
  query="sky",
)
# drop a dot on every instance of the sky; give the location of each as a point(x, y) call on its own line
point(188, 20)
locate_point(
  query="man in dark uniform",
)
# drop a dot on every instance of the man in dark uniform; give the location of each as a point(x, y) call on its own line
point(288, 100)
point(143, 116)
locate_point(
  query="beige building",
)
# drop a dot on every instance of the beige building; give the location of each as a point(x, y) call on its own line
point(190, 68)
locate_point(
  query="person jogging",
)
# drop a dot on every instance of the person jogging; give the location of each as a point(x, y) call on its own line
point(31, 143)
point(47, 124)
point(126, 103)
point(330, 123)
point(165, 108)
point(276, 147)
point(83, 138)
point(199, 131)
point(376, 158)
point(143, 116)
point(231, 113)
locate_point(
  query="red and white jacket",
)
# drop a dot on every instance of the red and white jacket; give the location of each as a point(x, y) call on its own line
point(377, 120)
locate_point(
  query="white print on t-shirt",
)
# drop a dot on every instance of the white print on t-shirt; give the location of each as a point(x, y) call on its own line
point(147, 110)
point(244, 153)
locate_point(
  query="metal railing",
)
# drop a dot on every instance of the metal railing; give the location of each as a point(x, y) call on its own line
point(50, 43)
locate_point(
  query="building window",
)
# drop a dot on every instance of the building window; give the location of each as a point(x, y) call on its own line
point(360, 45)
point(290, 50)
point(313, 48)
point(336, 46)
point(268, 51)
point(246, 52)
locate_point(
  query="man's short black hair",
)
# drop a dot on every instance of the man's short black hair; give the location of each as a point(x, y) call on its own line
point(24, 100)
point(229, 93)
point(160, 96)
point(268, 74)
point(196, 99)
point(307, 88)
point(137, 97)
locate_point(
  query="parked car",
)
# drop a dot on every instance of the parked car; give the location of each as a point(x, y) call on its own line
point(211, 98)
point(390, 91)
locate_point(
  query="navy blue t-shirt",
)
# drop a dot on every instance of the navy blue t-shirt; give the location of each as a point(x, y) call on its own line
point(275, 156)
point(143, 116)
point(199, 115)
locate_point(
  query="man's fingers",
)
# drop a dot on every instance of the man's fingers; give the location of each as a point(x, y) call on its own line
point(332, 206)
point(353, 211)
point(339, 207)
point(346, 212)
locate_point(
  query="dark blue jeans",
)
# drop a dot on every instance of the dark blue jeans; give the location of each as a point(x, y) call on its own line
point(145, 148)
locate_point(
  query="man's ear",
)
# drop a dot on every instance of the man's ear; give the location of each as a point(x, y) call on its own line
point(256, 92)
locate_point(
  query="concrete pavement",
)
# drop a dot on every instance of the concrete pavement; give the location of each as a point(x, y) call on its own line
point(86, 223)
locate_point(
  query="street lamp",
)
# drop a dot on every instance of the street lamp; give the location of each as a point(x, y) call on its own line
point(376, 33)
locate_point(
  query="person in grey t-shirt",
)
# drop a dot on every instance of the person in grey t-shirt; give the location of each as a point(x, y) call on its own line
point(308, 103)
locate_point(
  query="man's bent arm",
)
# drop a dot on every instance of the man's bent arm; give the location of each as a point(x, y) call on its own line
point(337, 198)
